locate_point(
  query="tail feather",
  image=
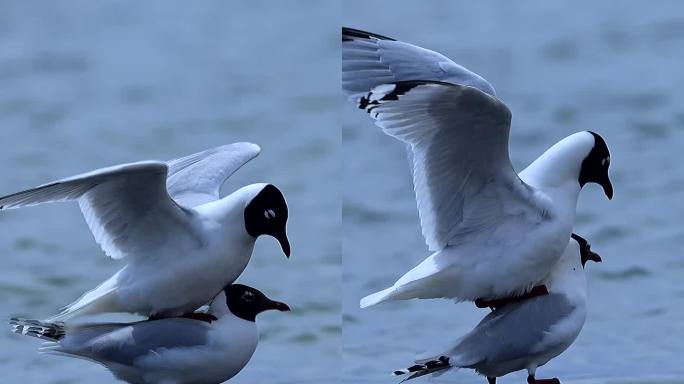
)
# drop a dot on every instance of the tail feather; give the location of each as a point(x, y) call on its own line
point(427, 280)
point(425, 367)
point(43, 330)
point(100, 300)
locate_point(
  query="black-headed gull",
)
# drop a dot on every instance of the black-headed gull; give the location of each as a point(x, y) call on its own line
point(177, 350)
point(180, 241)
point(494, 233)
point(526, 334)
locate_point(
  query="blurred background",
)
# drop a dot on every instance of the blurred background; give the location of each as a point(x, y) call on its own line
point(610, 66)
point(89, 84)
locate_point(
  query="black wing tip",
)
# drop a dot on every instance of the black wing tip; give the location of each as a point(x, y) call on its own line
point(349, 34)
point(39, 329)
point(400, 88)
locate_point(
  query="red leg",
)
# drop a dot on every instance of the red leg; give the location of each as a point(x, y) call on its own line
point(538, 290)
point(192, 315)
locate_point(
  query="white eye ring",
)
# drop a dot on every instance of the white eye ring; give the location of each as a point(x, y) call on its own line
point(605, 161)
point(269, 214)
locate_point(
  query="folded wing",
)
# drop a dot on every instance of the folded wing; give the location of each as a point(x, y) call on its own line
point(457, 137)
point(369, 60)
point(513, 332)
point(196, 179)
point(126, 344)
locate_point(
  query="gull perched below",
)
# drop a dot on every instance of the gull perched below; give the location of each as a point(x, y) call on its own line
point(177, 350)
point(526, 334)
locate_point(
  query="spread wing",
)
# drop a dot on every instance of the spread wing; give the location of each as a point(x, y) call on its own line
point(457, 138)
point(196, 179)
point(369, 60)
point(126, 207)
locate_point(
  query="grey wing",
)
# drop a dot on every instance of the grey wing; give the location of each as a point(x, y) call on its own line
point(457, 138)
point(196, 179)
point(126, 207)
point(369, 60)
point(511, 332)
point(124, 344)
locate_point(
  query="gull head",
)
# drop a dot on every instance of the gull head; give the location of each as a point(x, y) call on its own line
point(568, 276)
point(595, 166)
point(246, 302)
point(266, 214)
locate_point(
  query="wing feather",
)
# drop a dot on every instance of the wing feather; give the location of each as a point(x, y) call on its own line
point(126, 207)
point(369, 60)
point(458, 142)
point(196, 179)
point(512, 332)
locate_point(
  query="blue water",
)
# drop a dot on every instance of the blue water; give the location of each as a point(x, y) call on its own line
point(613, 67)
point(89, 84)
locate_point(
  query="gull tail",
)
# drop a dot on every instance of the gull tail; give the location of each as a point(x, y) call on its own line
point(428, 280)
point(378, 297)
point(424, 367)
point(43, 330)
point(102, 299)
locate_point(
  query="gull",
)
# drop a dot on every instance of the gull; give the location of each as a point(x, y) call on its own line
point(494, 233)
point(526, 334)
point(177, 350)
point(181, 242)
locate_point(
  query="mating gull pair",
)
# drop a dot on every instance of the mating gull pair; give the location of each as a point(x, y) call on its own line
point(494, 233)
point(182, 245)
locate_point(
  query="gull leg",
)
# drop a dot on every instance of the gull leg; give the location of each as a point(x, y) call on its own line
point(539, 290)
point(491, 380)
point(532, 380)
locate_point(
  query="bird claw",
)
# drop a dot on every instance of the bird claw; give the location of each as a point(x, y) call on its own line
point(532, 380)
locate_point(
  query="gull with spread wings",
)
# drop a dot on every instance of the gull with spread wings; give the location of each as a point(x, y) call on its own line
point(494, 233)
point(181, 242)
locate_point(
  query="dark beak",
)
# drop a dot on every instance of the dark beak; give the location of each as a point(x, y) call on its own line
point(284, 242)
point(607, 187)
point(277, 305)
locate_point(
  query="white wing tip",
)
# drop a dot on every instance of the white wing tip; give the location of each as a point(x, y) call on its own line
point(376, 298)
point(245, 146)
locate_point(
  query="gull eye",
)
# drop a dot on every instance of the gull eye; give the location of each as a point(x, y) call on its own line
point(269, 214)
point(247, 296)
point(605, 161)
